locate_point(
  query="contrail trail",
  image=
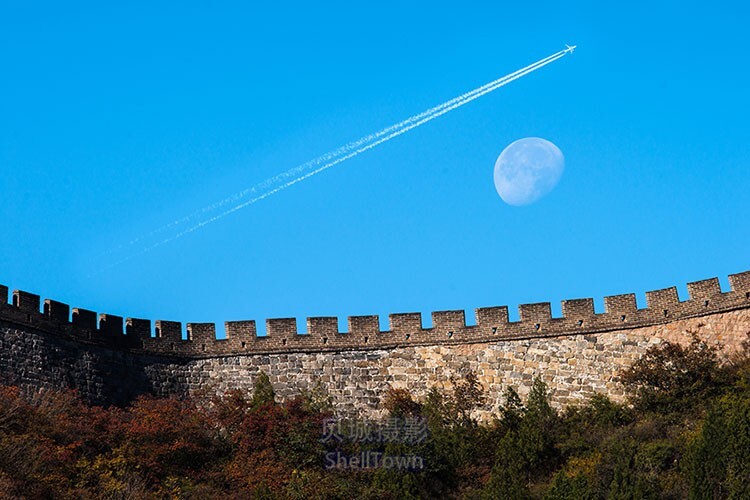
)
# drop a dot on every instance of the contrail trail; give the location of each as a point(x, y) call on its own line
point(343, 150)
point(332, 158)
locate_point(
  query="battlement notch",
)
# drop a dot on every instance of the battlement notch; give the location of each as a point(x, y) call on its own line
point(620, 305)
point(740, 282)
point(541, 312)
point(364, 330)
point(26, 301)
point(492, 318)
point(664, 302)
point(56, 311)
point(241, 335)
point(110, 325)
point(281, 327)
point(84, 319)
point(578, 309)
point(169, 330)
point(705, 289)
point(138, 328)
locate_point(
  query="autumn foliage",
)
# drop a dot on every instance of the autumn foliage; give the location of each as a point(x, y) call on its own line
point(684, 433)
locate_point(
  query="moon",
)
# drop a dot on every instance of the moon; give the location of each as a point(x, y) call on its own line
point(528, 169)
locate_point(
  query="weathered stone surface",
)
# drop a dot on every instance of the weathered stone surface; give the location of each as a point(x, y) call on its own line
point(577, 359)
point(573, 366)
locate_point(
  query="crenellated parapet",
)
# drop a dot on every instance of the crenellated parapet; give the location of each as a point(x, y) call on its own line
point(363, 332)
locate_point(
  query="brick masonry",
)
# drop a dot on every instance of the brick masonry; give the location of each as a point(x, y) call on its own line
point(110, 360)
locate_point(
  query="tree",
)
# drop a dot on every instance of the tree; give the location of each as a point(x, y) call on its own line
point(263, 392)
point(670, 377)
point(399, 403)
point(527, 449)
point(719, 458)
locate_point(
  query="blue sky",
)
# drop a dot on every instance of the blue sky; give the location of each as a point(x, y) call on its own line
point(115, 120)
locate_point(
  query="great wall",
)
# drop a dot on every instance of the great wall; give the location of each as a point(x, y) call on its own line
point(109, 360)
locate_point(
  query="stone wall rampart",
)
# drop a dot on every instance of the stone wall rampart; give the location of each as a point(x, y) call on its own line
point(322, 334)
point(111, 360)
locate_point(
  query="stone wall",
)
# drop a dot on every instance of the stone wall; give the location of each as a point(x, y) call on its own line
point(578, 355)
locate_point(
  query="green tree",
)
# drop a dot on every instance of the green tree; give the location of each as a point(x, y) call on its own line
point(671, 377)
point(527, 449)
point(508, 479)
point(719, 459)
point(263, 392)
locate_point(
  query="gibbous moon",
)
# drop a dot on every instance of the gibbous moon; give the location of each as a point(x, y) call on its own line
point(528, 169)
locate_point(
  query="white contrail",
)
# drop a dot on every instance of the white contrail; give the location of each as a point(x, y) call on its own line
point(343, 150)
point(339, 155)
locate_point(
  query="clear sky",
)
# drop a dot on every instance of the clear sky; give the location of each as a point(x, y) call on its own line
point(115, 120)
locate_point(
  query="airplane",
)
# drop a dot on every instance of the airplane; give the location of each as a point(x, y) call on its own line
point(569, 48)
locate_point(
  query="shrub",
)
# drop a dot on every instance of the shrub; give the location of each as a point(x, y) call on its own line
point(671, 377)
point(263, 392)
